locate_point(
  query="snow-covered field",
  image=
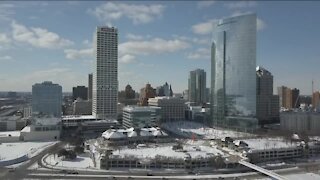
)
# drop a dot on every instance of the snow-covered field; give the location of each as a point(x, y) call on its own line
point(10, 151)
point(189, 129)
point(166, 150)
point(268, 143)
point(82, 161)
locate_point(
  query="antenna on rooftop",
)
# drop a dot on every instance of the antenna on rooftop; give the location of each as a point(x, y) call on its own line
point(312, 88)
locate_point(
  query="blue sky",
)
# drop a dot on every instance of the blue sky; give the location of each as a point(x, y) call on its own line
point(158, 41)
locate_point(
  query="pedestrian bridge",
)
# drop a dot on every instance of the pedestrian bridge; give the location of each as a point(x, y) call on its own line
point(262, 170)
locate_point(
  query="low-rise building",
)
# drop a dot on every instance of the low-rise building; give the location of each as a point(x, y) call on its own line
point(12, 123)
point(42, 129)
point(86, 124)
point(172, 109)
point(140, 116)
point(271, 149)
point(197, 114)
point(9, 136)
point(82, 107)
point(300, 122)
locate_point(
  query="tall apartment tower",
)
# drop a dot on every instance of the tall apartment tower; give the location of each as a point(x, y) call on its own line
point(47, 98)
point(233, 75)
point(316, 100)
point(288, 98)
point(197, 86)
point(105, 76)
point(90, 86)
point(267, 103)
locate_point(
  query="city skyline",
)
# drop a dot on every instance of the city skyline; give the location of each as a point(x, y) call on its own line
point(52, 41)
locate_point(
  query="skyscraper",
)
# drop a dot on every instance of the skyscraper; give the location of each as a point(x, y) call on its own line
point(197, 86)
point(267, 103)
point(105, 76)
point(90, 86)
point(233, 76)
point(47, 98)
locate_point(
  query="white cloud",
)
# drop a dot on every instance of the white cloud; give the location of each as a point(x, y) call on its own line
point(153, 46)
point(201, 53)
point(204, 27)
point(126, 59)
point(6, 11)
point(38, 37)
point(260, 24)
point(86, 42)
point(200, 41)
point(4, 38)
point(6, 58)
point(205, 4)
point(66, 77)
point(139, 14)
point(128, 50)
point(79, 54)
point(134, 37)
point(240, 4)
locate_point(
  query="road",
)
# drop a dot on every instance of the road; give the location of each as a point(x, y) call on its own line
point(21, 171)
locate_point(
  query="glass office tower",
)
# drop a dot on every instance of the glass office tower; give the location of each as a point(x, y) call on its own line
point(233, 75)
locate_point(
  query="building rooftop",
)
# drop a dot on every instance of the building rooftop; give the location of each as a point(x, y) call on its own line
point(269, 143)
point(46, 121)
point(10, 133)
point(140, 108)
point(144, 152)
point(131, 132)
point(76, 117)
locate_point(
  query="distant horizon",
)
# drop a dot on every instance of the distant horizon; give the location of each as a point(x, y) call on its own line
point(162, 43)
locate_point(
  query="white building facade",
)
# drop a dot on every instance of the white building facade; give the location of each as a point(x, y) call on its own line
point(105, 76)
point(140, 116)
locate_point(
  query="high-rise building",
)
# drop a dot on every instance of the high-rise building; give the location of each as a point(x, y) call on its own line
point(146, 93)
point(288, 98)
point(47, 98)
point(197, 86)
point(233, 76)
point(129, 92)
point(164, 90)
point(316, 100)
point(90, 86)
point(105, 76)
point(295, 98)
point(267, 103)
point(80, 92)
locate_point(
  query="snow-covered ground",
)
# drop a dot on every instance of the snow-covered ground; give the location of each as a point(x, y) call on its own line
point(166, 150)
point(187, 129)
point(83, 161)
point(10, 151)
point(269, 143)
